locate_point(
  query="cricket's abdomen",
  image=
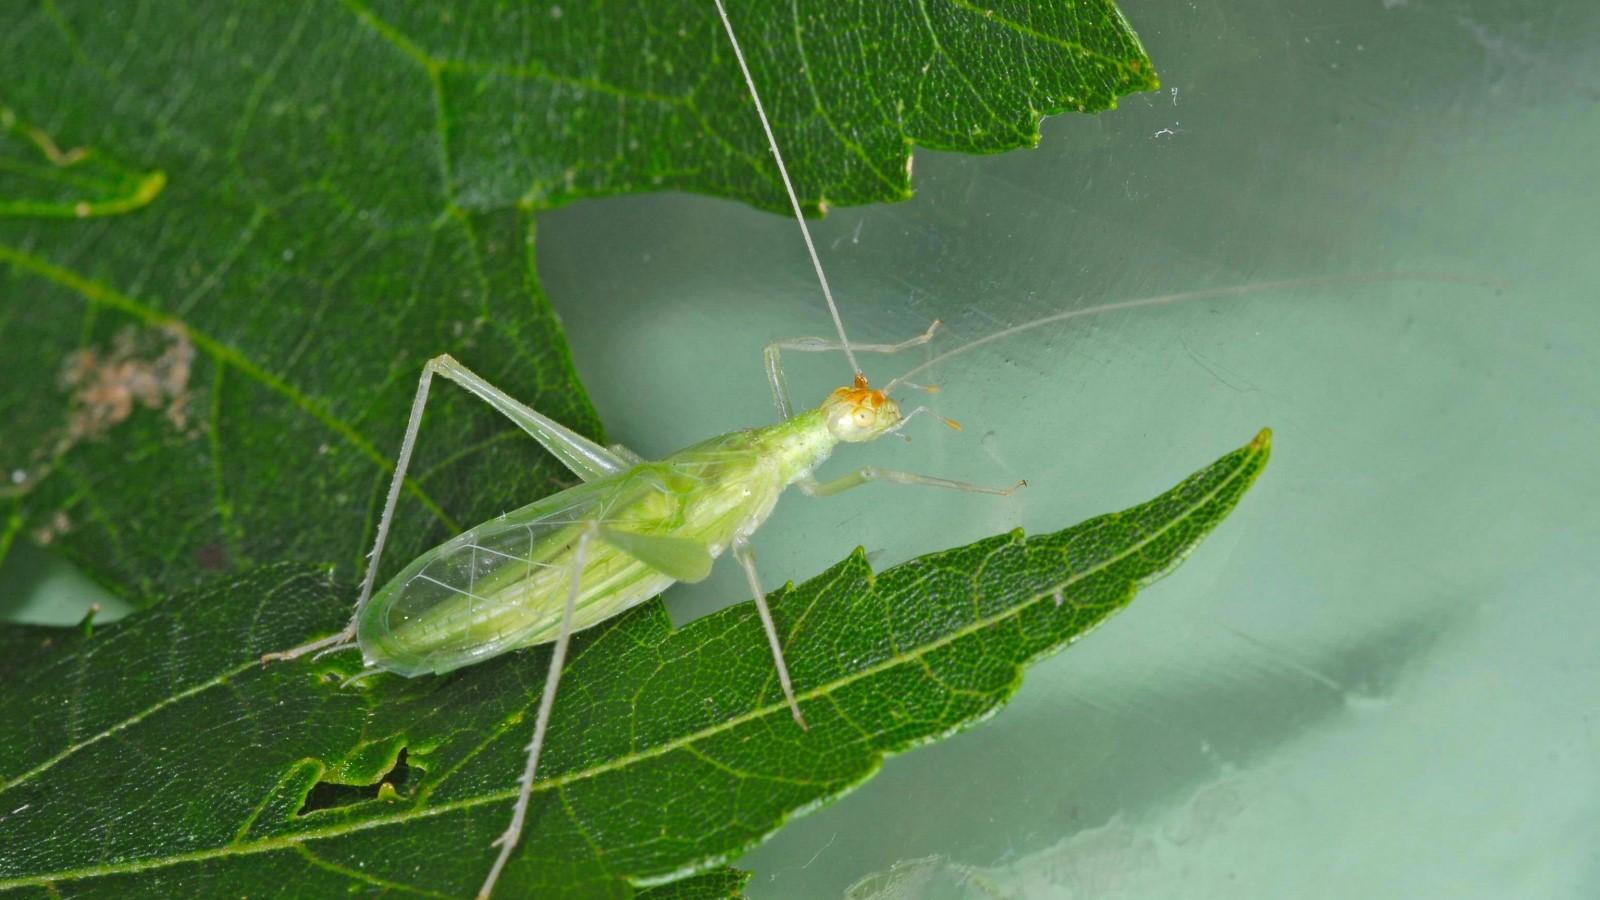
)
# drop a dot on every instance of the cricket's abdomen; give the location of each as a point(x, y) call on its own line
point(503, 584)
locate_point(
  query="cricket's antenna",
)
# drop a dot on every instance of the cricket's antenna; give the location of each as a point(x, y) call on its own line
point(1237, 290)
point(794, 201)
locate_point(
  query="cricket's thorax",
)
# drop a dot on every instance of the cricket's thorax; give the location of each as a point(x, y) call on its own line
point(797, 446)
point(734, 480)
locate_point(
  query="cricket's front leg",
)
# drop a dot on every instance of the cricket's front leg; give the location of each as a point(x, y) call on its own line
point(814, 488)
point(772, 357)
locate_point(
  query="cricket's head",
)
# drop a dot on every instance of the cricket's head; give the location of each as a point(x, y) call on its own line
point(859, 413)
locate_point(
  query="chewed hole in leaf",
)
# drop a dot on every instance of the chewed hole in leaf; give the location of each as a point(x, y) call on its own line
point(392, 785)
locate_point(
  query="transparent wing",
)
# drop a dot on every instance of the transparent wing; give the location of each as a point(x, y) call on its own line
point(503, 584)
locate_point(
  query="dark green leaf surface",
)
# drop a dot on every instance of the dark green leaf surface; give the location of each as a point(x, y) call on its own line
point(231, 233)
point(157, 758)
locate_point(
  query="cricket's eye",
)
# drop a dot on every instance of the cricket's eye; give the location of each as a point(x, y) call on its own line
point(865, 417)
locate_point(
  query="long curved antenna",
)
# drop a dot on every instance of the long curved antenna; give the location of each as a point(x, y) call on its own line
point(794, 201)
point(1163, 299)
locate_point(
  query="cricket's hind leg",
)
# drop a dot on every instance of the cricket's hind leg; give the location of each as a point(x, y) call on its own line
point(507, 841)
point(774, 364)
point(584, 457)
point(344, 640)
point(747, 561)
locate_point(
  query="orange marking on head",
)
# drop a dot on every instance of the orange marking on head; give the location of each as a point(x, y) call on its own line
point(860, 394)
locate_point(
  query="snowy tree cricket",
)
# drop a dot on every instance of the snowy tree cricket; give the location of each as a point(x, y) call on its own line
point(631, 529)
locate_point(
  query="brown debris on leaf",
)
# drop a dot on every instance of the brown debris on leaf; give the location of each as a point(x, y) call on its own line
point(146, 368)
point(106, 387)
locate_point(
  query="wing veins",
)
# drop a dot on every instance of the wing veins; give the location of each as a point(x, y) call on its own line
point(530, 562)
point(451, 587)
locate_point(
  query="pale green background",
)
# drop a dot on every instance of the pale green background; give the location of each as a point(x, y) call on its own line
point(1380, 677)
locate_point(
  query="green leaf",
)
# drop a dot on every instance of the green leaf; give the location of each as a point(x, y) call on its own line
point(230, 234)
point(158, 758)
